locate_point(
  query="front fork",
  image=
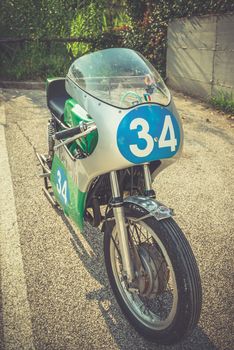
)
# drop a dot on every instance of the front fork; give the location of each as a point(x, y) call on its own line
point(118, 209)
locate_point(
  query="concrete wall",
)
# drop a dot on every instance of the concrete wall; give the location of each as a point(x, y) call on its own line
point(200, 54)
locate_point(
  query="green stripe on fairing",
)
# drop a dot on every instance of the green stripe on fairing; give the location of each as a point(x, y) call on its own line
point(76, 206)
point(88, 143)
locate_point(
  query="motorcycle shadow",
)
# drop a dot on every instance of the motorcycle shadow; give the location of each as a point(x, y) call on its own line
point(123, 334)
point(126, 337)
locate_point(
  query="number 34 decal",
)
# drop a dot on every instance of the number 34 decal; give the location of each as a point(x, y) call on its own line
point(154, 135)
point(143, 134)
point(62, 186)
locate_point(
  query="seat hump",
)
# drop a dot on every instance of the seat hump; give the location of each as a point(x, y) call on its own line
point(57, 96)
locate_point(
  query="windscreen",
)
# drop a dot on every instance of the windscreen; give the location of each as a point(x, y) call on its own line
point(120, 77)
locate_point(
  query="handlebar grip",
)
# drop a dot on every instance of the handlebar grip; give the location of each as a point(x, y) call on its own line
point(64, 134)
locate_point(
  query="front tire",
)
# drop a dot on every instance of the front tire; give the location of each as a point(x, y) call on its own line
point(168, 306)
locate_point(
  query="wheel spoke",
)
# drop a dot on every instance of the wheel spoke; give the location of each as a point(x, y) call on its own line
point(117, 248)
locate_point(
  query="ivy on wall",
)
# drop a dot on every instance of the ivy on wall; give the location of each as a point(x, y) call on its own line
point(151, 18)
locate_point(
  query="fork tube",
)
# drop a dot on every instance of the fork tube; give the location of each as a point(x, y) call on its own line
point(149, 192)
point(118, 209)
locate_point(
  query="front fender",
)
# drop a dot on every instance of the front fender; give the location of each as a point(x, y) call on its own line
point(149, 207)
point(145, 205)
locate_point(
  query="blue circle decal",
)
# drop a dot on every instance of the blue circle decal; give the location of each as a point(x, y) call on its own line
point(148, 133)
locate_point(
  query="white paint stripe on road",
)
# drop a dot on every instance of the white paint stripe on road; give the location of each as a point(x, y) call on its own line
point(17, 326)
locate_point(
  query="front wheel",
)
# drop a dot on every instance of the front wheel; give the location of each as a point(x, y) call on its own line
point(164, 301)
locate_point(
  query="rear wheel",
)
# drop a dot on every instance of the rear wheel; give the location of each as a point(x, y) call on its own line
point(164, 301)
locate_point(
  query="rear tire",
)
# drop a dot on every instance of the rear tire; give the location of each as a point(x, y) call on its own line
point(167, 248)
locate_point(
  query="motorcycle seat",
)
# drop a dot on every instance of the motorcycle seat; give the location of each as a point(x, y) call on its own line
point(57, 96)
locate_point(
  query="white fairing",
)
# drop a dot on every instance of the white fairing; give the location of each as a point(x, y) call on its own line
point(106, 156)
point(136, 119)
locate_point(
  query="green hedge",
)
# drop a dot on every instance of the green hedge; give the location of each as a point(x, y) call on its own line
point(40, 19)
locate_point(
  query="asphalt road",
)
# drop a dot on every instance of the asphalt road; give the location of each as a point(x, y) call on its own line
point(68, 303)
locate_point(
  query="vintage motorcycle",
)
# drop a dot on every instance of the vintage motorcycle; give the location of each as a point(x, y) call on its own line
point(113, 128)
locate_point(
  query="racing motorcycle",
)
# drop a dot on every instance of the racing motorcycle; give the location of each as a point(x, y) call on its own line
point(113, 128)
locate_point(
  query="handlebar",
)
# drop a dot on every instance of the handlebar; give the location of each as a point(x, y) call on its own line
point(71, 134)
point(64, 134)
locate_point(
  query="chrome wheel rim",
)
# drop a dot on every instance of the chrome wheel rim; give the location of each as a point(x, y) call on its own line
point(156, 313)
